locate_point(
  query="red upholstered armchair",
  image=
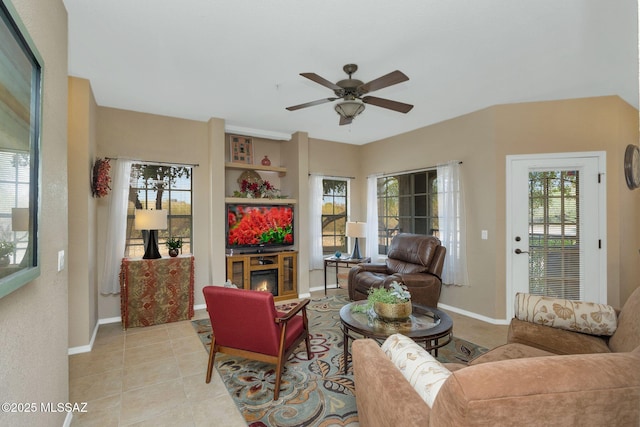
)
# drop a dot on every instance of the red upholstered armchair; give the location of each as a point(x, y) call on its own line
point(246, 324)
point(413, 259)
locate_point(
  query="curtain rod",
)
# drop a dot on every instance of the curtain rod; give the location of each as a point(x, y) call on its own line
point(332, 176)
point(195, 165)
point(408, 171)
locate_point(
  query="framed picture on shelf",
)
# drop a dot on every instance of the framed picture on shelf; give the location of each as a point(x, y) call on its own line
point(241, 149)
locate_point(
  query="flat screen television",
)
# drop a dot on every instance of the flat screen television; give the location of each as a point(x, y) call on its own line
point(259, 226)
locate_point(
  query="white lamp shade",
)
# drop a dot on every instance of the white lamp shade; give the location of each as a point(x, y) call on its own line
point(150, 220)
point(20, 219)
point(356, 229)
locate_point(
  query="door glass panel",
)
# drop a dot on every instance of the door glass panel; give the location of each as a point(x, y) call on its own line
point(554, 234)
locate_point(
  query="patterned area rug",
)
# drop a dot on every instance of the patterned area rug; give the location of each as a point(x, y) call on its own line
point(314, 392)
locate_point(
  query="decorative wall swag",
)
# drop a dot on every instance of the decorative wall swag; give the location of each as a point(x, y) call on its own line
point(100, 185)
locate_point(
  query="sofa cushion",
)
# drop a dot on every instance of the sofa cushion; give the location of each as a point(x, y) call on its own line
point(509, 351)
point(425, 374)
point(586, 317)
point(554, 340)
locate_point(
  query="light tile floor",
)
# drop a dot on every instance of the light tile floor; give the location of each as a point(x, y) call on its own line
point(154, 376)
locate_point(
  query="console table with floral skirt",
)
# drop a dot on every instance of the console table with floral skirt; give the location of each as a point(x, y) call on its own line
point(155, 291)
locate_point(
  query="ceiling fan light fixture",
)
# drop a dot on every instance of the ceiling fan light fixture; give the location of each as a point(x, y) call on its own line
point(349, 109)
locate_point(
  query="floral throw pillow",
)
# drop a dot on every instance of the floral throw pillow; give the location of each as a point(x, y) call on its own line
point(425, 374)
point(586, 317)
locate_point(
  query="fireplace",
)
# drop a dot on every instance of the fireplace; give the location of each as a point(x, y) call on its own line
point(265, 280)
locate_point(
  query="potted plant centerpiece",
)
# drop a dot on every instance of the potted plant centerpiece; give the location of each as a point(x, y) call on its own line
point(393, 303)
point(174, 245)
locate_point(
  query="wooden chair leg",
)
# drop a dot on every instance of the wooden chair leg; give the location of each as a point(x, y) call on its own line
point(307, 340)
point(212, 356)
point(279, 368)
point(281, 360)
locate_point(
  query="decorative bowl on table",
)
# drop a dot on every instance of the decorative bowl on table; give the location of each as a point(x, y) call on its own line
point(393, 312)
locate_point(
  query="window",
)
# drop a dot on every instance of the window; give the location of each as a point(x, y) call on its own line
point(407, 203)
point(554, 234)
point(334, 215)
point(14, 221)
point(166, 187)
point(20, 123)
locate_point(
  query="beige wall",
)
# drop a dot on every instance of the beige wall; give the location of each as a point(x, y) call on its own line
point(81, 260)
point(147, 137)
point(590, 124)
point(469, 139)
point(482, 140)
point(33, 319)
point(328, 158)
point(295, 157)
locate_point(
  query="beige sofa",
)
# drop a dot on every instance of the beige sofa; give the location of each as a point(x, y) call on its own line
point(537, 379)
point(576, 390)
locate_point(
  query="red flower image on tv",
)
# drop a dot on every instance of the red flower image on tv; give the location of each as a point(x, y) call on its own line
point(259, 225)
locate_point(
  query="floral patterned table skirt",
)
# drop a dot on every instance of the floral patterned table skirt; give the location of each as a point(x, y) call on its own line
point(154, 291)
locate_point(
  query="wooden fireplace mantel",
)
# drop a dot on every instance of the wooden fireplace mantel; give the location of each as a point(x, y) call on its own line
point(240, 267)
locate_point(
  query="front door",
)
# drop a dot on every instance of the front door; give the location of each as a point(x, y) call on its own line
point(556, 226)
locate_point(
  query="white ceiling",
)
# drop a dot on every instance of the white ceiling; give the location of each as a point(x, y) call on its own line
point(240, 60)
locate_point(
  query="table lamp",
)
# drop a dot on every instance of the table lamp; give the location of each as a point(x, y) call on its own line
point(356, 229)
point(152, 221)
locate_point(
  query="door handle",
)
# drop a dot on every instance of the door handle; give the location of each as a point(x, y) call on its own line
point(518, 251)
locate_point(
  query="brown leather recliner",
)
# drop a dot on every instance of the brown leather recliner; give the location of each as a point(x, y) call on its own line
point(413, 259)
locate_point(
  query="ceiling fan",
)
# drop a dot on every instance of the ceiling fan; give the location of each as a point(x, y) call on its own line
point(352, 90)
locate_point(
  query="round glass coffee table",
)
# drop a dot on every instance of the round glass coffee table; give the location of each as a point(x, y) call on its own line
point(429, 326)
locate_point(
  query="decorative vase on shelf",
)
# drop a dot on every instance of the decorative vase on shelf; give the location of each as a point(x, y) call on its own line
point(173, 252)
point(396, 311)
point(266, 161)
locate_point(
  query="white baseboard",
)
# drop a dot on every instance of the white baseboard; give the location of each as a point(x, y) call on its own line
point(474, 315)
point(85, 348)
point(440, 305)
point(109, 320)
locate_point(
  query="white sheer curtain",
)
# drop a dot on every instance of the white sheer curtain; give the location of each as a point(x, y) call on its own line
point(315, 222)
point(372, 218)
point(451, 218)
point(116, 226)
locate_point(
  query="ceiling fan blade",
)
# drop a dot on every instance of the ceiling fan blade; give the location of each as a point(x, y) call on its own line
point(310, 104)
point(390, 79)
point(321, 80)
point(345, 121)
point(400, 107)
